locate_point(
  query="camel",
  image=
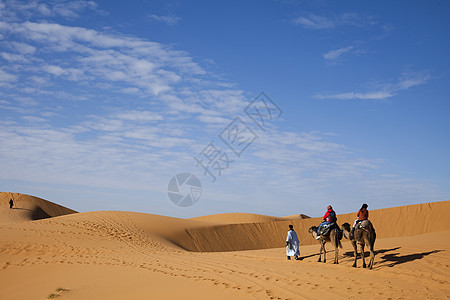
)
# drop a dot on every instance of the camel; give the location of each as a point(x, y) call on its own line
point(362, 236)
point(334, 237)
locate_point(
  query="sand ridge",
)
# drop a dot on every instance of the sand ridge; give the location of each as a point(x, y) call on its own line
point(239, 218)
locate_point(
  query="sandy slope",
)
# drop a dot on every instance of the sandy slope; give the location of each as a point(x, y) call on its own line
point(391, 222)
point(125, 255)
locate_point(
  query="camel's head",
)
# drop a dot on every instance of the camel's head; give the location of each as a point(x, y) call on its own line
point(312, 229)
point(346, 227)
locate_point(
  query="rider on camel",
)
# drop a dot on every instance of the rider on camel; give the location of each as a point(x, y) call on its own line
point(363, 214)
point(328, 218)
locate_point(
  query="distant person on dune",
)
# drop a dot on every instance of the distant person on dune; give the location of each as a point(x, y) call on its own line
point(363, 214)
point(328, 218)
point(292, 244)
point(11, 203)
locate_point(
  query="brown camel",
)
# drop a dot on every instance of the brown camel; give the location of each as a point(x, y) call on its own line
point(334, 237)
point(362, 236)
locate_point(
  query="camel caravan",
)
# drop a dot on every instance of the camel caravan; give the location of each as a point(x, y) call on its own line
point(362, 233)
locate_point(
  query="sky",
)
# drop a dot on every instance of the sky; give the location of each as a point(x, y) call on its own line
point(275, 107)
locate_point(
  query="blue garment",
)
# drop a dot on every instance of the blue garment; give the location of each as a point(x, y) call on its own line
point(322, 224)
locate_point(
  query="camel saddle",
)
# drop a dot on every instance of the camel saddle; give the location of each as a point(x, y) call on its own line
point(364, 224)
point(325, 229)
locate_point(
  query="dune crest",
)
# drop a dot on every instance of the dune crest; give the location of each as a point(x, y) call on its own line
point(299, 216)
point(239, 218)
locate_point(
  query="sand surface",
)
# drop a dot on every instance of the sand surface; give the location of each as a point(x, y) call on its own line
point(128, 255)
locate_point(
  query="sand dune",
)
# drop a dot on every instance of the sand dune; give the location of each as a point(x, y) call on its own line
point(294, 217)
point(28, 208)
point(239, 218)
point(391, 222)
point(128, 255)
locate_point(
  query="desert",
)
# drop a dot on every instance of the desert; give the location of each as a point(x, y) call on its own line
point(49, 251)
point(203, 149)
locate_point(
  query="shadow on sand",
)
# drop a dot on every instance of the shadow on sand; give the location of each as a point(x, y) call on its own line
point(19, 208)
point(36, 214)
point(396, 259)
point(315, 254)
point(367, 253)
point(392, 259)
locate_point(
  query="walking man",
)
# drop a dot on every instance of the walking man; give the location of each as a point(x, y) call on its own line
point(292, 244)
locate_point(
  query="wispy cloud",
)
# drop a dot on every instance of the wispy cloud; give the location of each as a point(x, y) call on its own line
point(384, 91)
point(145, 65)
point(136, 97)
point(335, 54)
point(98, 108)
point(411, 79)
point(354, 95)
point(15, 10)
point(7, 77)
point(313, 21)
point(169, 20)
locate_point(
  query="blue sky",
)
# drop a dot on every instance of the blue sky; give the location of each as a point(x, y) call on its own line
point(102, 103)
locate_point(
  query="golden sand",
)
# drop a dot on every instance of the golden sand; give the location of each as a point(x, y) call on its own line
point(127, 255)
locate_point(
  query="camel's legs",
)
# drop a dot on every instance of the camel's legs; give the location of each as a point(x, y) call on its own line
point(324, 253)
point(320, 252)
point(362, 255)
point(336, 254)
point(355, 252)
point(336, 247)
point(372, 256)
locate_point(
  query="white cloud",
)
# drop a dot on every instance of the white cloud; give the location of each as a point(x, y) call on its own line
point(54, 70)
point(169, 20)
point(48, 114)
point(145, 65)
point(354, 95)
point(25, 101)
point(14, 10)
point(313, 21)
point(386, 90)
point(139, 116)
point(13, 57)
point(23, 48)
point(33, 119)
point(334, 54)
point(213, 120)
point(411, 79)
point(7, 77)
point(71, 9)
point(131, 90)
